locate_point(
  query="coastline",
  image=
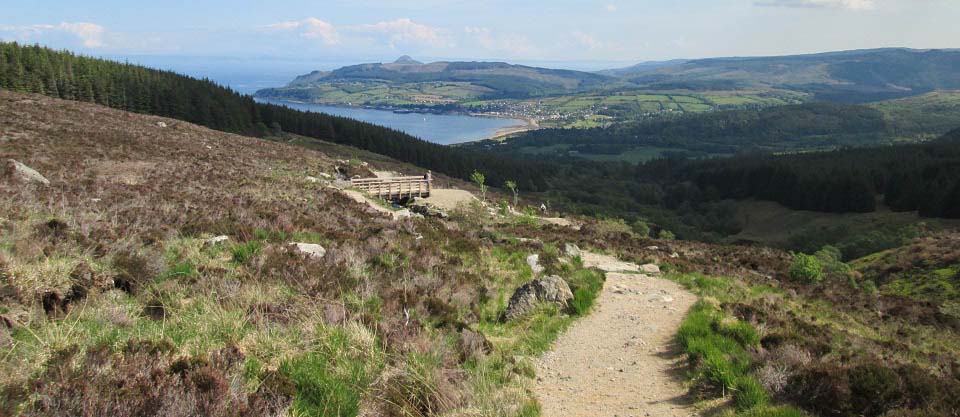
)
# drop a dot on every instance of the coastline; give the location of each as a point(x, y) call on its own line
point(530, 125)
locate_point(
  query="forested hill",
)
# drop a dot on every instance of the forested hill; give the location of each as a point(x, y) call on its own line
point(469, 79)
point(135, 88)
point(845, 76)
point(773, 129)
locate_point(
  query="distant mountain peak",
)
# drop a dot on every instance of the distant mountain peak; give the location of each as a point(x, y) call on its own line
point(406, 60)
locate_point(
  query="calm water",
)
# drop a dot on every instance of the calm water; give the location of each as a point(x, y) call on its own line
point(444, 129)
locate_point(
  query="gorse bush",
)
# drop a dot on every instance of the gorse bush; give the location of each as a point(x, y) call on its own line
point(806, 269)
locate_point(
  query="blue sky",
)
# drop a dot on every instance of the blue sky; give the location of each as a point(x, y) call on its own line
point(562, 31)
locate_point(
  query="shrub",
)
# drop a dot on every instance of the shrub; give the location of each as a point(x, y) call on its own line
point(749, 393)
point(244, 252)
point(586, 285)
point(667, 235)
point(806, 269)
point(641, 228)
point(742, 332)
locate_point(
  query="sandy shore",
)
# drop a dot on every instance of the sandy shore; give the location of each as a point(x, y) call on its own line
point(531, 124)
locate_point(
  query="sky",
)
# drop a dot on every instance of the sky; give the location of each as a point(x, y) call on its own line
point(567, 33)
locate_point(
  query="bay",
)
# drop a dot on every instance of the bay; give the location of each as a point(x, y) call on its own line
point(445, 129)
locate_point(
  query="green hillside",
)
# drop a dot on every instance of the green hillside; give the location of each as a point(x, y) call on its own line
point(847, 76)
point(408, 82)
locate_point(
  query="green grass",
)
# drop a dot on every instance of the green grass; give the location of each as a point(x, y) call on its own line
point(331, 379)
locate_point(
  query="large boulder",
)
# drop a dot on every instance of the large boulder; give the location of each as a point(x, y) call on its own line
point(310, 250)
point(24, 173)
point(551, 289)
point(572, 250)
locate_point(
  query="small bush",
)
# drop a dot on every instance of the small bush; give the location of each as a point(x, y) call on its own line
point(640, 228)
point(749, 393)
point(667, 235)
point(742, 332)
point(806, 269)
point(586, 285)
point(244, 252)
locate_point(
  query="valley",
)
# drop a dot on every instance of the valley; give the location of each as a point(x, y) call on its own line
point(172, 247)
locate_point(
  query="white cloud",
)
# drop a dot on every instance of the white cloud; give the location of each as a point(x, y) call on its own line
point(835, 4)
point(511, 45)
point(90, 34)
point(587, 40)
point(405, 32)
point(309, 28)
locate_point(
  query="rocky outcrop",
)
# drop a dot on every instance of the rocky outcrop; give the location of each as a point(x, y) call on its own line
point(572, 250)
point(550, 289)
point(21, 172)
point(427, 210)
point(534, 262)
point(310, 250)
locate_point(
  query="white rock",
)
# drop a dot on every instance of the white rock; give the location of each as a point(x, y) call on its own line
point(25, 173)
point(216, 240)
point(534, 262)
point(325, 175)
point(161, 124)
point(402, 214)
point(311, 250)
point(572, 250)
point(650, 269)
point(312, 179)
point(653, 248)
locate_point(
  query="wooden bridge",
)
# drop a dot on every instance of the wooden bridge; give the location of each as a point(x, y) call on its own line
point(395, 188)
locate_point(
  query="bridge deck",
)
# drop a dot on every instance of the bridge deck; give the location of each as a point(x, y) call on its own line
point(394, 188)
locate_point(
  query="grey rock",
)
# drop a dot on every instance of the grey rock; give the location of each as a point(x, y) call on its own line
point(572, 250)
point(650, 269)
point(161, 124)
point(24, 173)
point(551, 289)
point(310, 250)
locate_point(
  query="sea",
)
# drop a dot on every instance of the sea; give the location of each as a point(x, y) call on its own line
point(249, 75)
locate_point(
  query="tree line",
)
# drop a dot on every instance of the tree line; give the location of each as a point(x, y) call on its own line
point(125, 86)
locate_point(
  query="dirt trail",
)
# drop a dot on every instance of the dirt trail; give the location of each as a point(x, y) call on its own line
point(620, 360)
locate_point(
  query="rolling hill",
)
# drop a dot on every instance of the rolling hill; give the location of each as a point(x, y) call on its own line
point(407, 81)
point(846, 76)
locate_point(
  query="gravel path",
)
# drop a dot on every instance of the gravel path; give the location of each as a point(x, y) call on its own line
point(620, 360)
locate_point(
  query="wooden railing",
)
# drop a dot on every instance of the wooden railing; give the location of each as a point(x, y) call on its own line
point(394, 188)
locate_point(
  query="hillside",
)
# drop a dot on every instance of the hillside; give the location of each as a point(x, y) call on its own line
point(408, 82)
point(115, 298)
point(846, 76)
point(772, 129)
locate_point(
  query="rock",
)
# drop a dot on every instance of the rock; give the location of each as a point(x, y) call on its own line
point(650, 269)
point(652, 248)
point(311, 179)
point(215, 240)
point(428, 210)
point(402, 214)
point(325, 175)
point(534, 262)
point(24, 173)
point(572, 250)
point(161, 124)
point(551, 289)
point(310, 250)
